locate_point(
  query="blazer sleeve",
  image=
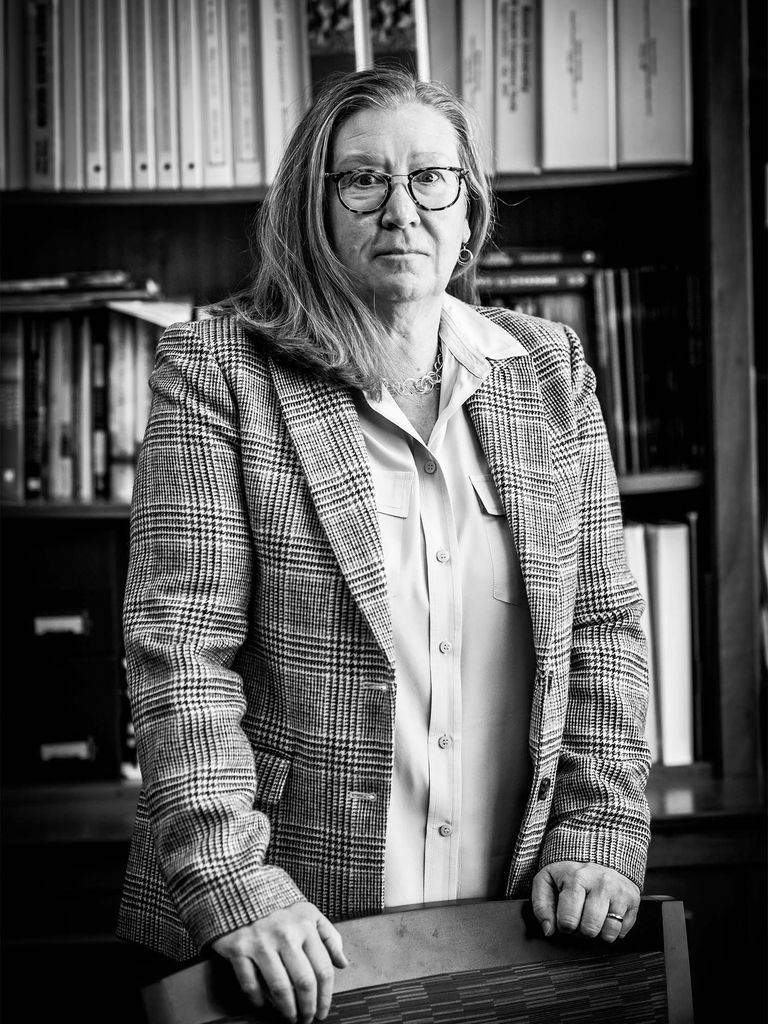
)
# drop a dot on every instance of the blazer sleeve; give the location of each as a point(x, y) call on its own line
point(186, 614)
point(599, 810)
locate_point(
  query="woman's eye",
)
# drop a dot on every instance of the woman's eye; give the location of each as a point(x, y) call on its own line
point(428, 177)
point(364, 179)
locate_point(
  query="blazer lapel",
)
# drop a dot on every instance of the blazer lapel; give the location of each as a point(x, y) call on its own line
point(508, 414)
point(322, 423)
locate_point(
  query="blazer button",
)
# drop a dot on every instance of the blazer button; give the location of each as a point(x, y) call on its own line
point(544, 786)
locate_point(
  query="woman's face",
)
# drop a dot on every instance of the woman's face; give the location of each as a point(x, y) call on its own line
point(400, 253)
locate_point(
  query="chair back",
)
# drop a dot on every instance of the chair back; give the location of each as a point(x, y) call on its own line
point(471, 961)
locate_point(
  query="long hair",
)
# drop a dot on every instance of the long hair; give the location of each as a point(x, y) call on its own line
point(301, 303)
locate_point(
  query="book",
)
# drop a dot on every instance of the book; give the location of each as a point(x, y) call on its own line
point(35, 410)
point(60, 409)
point(494, 281)
point(218, 167)
point(338, 39)
point(95, 94)
point(578, 86)
point(443, 42)
point(142, 94)
point(117, 85)
point(72, 300)
point(190, 100)
point(72, 281)
point(158, 312)
point(626, 316)
point(539, 256)
point(44, 95)
point(517, 87)
point(616, 370)
point(670, 596)
point(11, 408)
point(121, 410)
point(15, 126)
point(602, 365)
point(246, 93)
point(83, 410)
point(653, 82)
point(399, 35)
point(72, 97)
point(477, 71)
point(634, 544)
point(100, 418)
point(166, 94)
point(284, 76)
point(145, 342)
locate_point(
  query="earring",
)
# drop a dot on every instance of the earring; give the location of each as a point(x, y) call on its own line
point(465, 256)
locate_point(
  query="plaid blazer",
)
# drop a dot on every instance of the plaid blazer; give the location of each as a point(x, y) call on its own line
point(259, 639)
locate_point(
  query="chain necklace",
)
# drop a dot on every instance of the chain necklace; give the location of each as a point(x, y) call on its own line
point(418, 385)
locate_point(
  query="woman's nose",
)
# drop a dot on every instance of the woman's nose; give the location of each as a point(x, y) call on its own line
point(400, 211)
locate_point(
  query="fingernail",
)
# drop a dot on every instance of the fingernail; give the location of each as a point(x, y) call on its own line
point(547, 928)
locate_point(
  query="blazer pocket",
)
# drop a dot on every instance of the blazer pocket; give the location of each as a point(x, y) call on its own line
point(271, 776)
point(505, 565)
point(393, 501)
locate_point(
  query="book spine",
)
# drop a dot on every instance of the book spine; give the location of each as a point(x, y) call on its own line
point(99, 406)
point(524, 256)
point(60, 410)
point(246, 93)
point(332, 31)
point(44, 78)
point(615, 368)
point(653, 82)
point(190, 98)
point(517, 87)
point(629, 364)
point(73, 99)
point(443, 41)
point(477, 85)
point(117, 86)
point(166, 118)
point(94, 76)
point(146, 341)
point(12, 408)
point(602, 359)
point(218, 164)
point(142, 94)
point(35, 411)
point(398, 35)
point(494, 281)
point(83, 411)
point(578, 99)
point(637, 562)
point(17, 126)
point(284, 68)
point(120, 412)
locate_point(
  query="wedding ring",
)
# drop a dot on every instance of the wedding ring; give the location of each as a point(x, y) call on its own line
point(615, 917)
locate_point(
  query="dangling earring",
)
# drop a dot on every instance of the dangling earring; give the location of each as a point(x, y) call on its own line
point(465, 256)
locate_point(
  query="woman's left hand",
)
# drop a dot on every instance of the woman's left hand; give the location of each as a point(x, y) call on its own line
point(569, 896)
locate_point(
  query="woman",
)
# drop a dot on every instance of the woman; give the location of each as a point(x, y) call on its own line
point(383, 645)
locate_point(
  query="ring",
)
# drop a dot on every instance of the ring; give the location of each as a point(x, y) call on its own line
point(615, 917)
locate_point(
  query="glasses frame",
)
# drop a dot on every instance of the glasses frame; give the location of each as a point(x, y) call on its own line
point(336, 176)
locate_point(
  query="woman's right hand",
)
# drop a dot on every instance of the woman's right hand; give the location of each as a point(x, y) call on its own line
point(289, 956)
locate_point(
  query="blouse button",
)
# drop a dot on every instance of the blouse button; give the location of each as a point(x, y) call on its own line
point(444, 741)
point(442, 555)
point(430, 466)
point(445, 647)
point(445, 831)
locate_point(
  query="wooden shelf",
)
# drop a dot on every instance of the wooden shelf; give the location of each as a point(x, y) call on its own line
point(229, 196)
point(63, 510)
point(661, 482)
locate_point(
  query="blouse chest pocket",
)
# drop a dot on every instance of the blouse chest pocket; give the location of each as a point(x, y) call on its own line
point(508, 585)
point(393, 501)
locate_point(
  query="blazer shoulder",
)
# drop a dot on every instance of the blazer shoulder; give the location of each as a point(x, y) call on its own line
point(534, 333)
point(221, 337)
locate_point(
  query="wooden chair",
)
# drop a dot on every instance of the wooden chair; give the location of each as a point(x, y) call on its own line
point(471, 962)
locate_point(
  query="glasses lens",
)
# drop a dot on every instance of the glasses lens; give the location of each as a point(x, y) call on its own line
point(435, 187)
point(363, 191)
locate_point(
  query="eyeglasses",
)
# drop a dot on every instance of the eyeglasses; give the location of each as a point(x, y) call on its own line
point(431, 188)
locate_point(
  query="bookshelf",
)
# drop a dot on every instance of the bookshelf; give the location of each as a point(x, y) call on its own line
point(193, 241)
point(707, 816)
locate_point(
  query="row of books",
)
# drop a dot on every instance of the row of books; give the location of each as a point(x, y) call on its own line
point(143, 94)
point(75, 398)
point(641, 328)
point(663, 557)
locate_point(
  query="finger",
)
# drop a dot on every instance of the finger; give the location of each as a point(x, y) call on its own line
point(570, 904)
point(593, 915)
point(630, 917)
point(319, 958)
point(279, 984)
point(304, 981)
point(245, 972)
point(543, 902)
point(614, 923)
point(332, 941)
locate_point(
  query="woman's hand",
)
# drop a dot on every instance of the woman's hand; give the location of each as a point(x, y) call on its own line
point(289, 955)
point(569, 896)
